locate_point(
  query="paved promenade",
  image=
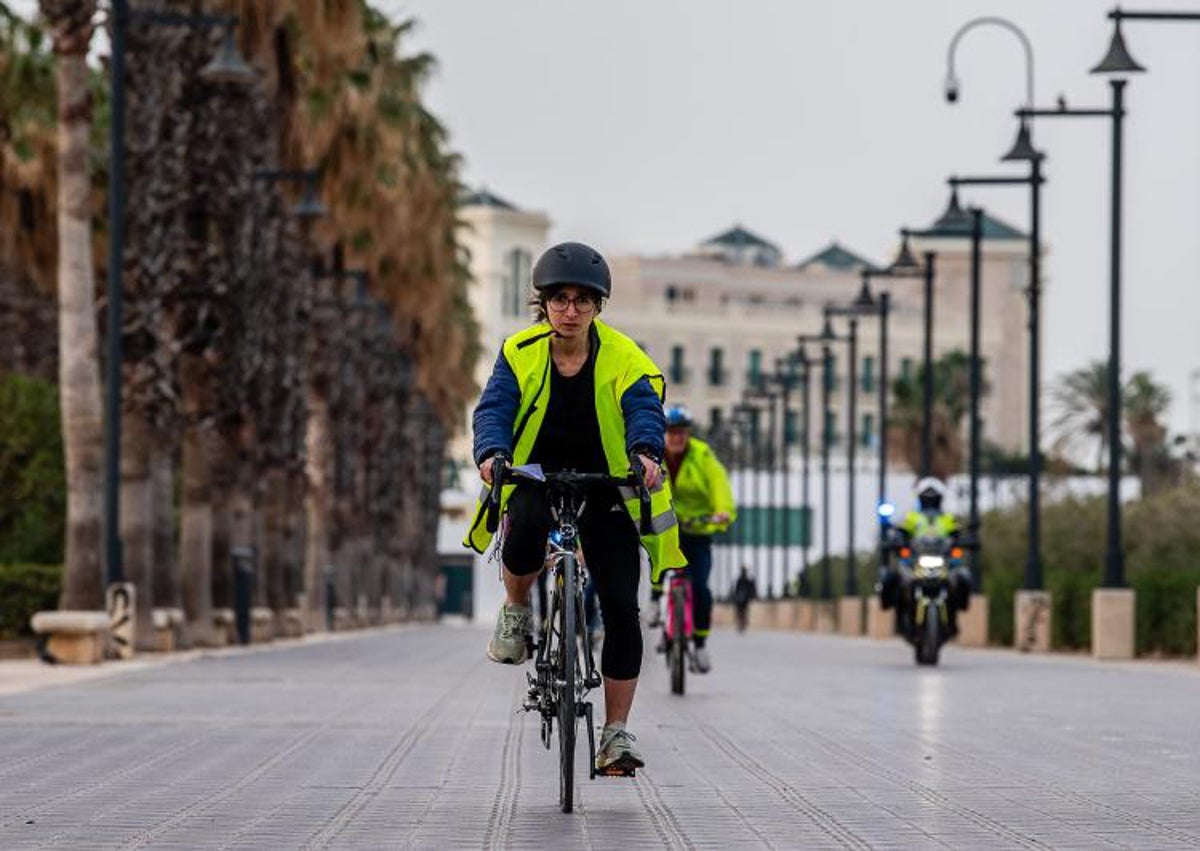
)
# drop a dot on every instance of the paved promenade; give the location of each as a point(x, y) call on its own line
point(408, 739)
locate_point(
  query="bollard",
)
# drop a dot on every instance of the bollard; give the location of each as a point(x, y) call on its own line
point(243, 584)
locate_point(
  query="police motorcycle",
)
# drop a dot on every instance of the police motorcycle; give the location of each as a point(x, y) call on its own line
point(927, 585)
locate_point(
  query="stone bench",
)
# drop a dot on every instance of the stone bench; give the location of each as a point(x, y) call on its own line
point(262, 624)
point(224, 627)
point(167, 626)
point(291, 623)
point(74, 637)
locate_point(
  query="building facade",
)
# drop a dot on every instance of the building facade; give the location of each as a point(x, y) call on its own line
point(717, 318)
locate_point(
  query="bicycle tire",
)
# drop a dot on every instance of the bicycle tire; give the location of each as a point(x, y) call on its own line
point(568, 662)
point(678, 647)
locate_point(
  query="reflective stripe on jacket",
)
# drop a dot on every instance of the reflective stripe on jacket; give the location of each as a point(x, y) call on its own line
point(918, 524)
point(701, 488)
point(619, 365)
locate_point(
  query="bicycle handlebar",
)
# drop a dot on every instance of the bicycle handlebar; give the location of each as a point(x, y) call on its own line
point(503, 473)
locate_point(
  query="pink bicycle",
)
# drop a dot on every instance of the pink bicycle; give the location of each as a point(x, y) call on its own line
point(678, 628)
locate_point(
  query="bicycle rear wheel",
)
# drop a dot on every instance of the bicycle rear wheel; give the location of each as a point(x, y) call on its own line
point(568, 662)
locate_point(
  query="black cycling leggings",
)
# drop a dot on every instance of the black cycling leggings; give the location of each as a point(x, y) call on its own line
point(611, 550)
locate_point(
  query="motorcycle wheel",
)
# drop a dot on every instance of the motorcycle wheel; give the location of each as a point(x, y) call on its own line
point(931, 638)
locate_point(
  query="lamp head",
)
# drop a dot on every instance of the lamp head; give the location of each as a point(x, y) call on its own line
point(1118, 60)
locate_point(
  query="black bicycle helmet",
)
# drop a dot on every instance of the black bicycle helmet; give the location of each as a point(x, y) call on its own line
point(572, 263)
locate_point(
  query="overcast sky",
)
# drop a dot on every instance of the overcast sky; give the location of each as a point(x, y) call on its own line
point(647, 125)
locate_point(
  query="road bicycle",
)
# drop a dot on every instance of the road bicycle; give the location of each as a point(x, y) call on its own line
point(564, 665)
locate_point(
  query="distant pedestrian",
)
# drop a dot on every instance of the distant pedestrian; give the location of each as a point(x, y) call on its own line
point(744, 591)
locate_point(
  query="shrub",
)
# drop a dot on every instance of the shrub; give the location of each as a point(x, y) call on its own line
point(25, 589)
point(1162, 564)
point(33, 500)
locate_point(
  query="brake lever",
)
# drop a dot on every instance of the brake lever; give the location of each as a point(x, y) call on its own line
point(499, 474)
point(639, 474)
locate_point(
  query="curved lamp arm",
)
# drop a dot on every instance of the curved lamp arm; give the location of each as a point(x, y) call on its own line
point(952, 82)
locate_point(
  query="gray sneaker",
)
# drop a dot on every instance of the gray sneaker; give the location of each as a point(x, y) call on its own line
point(703, 660)
point(617, 752)
point(508, 641)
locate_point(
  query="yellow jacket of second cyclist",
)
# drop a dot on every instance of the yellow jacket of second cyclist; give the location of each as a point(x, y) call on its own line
point(701, 489)
point(620, 363)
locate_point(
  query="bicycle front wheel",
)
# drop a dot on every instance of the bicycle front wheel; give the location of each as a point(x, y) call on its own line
point(678, 648)
point(568, 663)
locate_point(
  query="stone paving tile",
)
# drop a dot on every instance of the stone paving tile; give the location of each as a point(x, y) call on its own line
point(409, 739)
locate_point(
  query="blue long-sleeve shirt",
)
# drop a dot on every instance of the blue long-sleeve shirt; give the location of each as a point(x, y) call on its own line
point(495, 416)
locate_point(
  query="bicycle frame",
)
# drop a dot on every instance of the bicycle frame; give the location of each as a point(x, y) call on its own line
point(678, 623)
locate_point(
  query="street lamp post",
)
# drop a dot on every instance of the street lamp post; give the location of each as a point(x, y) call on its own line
point(226, 66)
point(906, 265)
point(956, 222)
point(1022, 151)
point(784, 378)
point(851, 339)
point(754, 485)
point(765, 393)
point(805, 447)
point(1116, 62)
point(826, 338)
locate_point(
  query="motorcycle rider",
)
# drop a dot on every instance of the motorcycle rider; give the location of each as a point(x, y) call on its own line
point(928, 520)
point(704, 505)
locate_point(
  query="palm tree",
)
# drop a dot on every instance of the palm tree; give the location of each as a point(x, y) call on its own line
point(1079, 401)
point(28, 236)
point(70, 25)
point(951, 401)
point(1145, 402)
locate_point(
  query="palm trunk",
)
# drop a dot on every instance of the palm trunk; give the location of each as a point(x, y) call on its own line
point(196, 509)
point(166, 563)
point(79, 372)
point(223, 502)
point(137, 522)
point(318, 466)
point(296, 537)
point(274, 559)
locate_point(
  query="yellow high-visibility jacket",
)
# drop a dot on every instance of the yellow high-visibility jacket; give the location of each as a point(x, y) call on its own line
point(701, 489)
point(619, 364)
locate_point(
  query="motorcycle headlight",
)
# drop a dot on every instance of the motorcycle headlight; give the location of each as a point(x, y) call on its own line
point(931, 562)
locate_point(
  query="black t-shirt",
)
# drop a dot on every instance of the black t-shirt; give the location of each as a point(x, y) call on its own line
point(570, 435)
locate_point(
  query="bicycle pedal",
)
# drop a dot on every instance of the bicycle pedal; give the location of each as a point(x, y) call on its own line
point(616, 771)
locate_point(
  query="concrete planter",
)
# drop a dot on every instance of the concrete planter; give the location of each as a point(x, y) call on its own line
point(1031, 619)
point(826, 616)
point(880, 624)
point(973, 623)
point(1114, 614)
point(850, 616)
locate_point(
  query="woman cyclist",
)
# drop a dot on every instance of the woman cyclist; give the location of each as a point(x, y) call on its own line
point(572, 393)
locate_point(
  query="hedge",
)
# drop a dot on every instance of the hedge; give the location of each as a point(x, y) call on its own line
point(1161, 539)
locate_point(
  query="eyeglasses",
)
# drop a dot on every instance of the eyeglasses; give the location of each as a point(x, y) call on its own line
point(584, 304)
